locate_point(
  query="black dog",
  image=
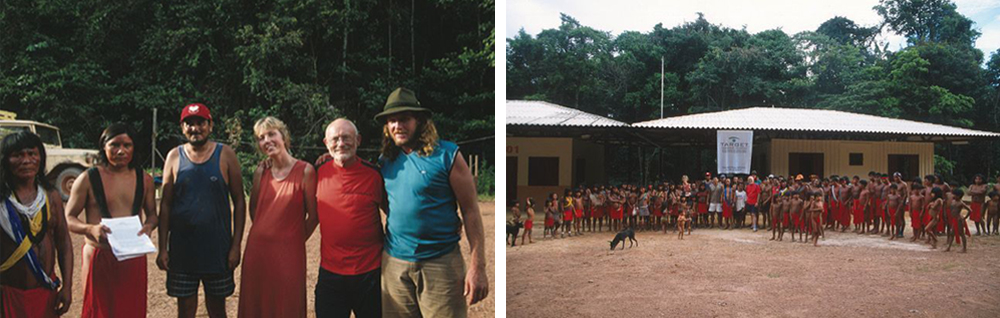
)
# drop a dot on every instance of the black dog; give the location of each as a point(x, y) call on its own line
point(620, 237)
point(512, 229)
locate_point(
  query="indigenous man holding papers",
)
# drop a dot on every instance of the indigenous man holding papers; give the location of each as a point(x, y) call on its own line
point(34, 229)
point(112, 194)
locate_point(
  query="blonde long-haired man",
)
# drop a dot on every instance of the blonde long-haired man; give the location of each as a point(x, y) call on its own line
point(427, 180)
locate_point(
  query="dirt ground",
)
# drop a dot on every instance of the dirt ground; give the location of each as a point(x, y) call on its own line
point(161, 305)
point(739, 273)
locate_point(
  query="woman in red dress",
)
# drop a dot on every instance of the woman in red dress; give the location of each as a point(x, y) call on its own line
point(283, 212)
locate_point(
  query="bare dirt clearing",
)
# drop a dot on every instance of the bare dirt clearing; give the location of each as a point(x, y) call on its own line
point(739, 273)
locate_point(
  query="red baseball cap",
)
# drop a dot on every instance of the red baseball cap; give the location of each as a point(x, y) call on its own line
point(196, 109)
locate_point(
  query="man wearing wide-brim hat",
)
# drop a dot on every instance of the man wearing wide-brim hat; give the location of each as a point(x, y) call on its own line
point(426, 181)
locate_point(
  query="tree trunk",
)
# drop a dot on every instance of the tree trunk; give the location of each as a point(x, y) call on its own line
point(389, 68)
point(413, 51)
point(343, 52)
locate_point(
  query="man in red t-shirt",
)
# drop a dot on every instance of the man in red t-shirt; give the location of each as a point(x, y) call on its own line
point(753, 192)
point(349, 192)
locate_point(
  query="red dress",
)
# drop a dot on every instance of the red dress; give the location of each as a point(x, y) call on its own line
point(274, 265)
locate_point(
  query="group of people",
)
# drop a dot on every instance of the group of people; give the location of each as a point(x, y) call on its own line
point(413, 269)
point(799, 205)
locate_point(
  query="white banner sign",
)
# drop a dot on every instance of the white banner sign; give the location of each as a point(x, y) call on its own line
point(734, 149)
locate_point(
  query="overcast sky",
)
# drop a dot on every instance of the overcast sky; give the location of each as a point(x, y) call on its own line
point(792, 16)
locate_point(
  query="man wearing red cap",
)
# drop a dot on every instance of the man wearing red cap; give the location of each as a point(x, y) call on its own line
point(199, 237)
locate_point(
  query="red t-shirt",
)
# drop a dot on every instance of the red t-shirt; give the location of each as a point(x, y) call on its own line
point(753, 191)
point(347, 201)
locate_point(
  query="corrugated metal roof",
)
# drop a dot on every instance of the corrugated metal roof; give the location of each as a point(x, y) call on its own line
point(539, 113)
point(798, 119)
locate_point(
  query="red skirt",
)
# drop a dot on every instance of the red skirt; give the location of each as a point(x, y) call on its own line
point(113, 288)
point(955, 227)
point(859, 214)
point(702, 208)
point(30, 303)
point(842, 216)
point(658, 212)
point(550, 222)
point(598, 212)
point(579, 213)
point(916, 219)
point(616, 214)
point(528, 224)
point(674, 211)
point(977, 212)
point(568, 215)
point(727, 211)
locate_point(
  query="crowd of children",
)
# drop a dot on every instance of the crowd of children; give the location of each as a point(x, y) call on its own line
point(797, 205)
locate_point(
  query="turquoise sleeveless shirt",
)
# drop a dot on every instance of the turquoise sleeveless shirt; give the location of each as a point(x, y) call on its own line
point(423, 220)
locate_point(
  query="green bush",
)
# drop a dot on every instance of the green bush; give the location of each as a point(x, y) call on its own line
point(486, 182)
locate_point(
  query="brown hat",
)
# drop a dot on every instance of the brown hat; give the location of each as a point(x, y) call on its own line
point(401, 100)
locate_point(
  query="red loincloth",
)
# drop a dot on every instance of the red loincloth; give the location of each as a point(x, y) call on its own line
point(113, 288)
point(31, 303)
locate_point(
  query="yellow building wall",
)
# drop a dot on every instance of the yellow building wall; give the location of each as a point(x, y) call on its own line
point(567, 150)
point(836, 155)
point(524, 147)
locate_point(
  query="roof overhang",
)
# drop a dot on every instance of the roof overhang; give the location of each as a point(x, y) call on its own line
point(543, 119)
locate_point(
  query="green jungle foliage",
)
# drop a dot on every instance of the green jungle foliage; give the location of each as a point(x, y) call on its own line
point(939, 77)
point(81, 65)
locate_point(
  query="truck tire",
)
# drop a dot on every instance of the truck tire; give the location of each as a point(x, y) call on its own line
point(64, 180)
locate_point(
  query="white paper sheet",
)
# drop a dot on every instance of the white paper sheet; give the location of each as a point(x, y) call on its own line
point(123, 239)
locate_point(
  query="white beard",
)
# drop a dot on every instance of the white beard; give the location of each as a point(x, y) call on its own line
point(342, 157)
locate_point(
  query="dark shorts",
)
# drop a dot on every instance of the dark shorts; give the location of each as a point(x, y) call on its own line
point(338, 295)
point(183, 285)
point(752, 209)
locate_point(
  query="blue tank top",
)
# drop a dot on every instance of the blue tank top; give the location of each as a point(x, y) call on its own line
point(200, 221)
point(423, 218)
